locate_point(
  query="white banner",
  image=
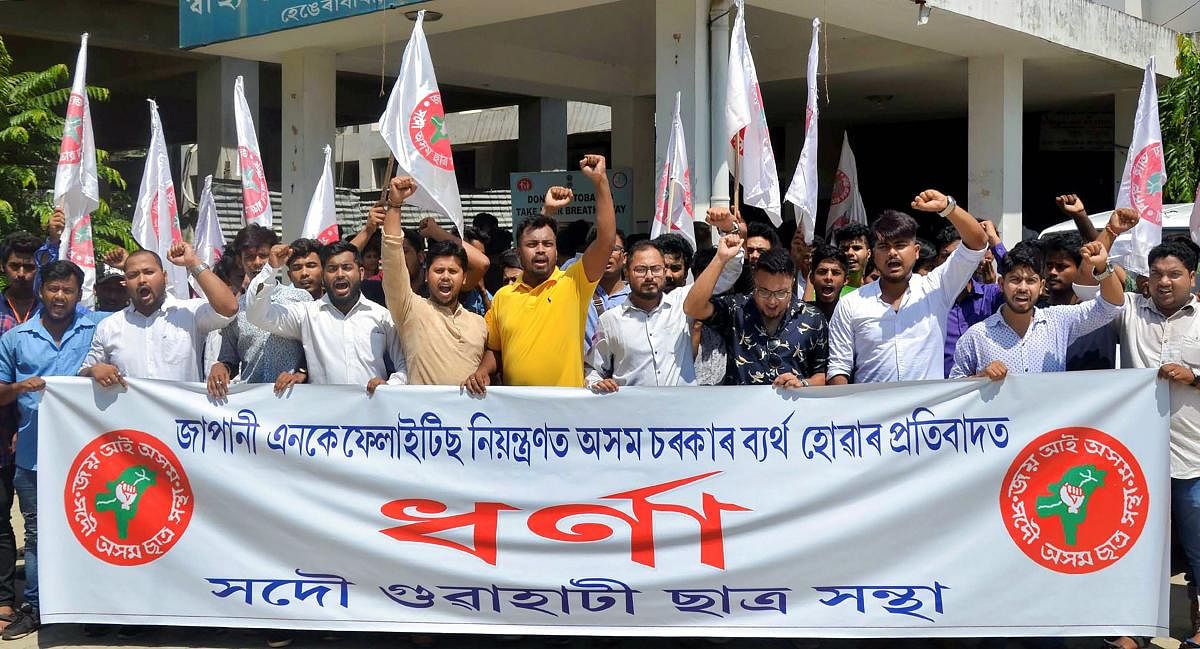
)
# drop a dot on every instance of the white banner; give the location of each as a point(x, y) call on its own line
point(1036, 506)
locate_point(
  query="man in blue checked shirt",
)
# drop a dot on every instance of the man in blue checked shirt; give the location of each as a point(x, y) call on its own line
point(52, 344)
point(1024, 339)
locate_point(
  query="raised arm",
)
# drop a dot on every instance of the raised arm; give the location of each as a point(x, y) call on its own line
point(397, 286)
point(279, 319)
point(1111, 287)
point(931, 200)
point(698, 304)
point(214, 288)
point(595, 258)
point(375, 218)
point(1072, 206)
point(477, 262)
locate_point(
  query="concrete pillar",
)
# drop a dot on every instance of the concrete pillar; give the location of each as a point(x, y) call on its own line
point(309, 99)
point(720, 21)
point(681, 64)
point(542, 135)
point(633, 123)
point(216, 135)
point(1124, 111)
point(995, 106)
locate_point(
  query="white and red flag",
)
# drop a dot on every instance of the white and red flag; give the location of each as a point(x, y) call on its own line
point(673, 211)
point(209, 240)
point(156, 217)
point(803, 191)
point(414, 127)
point(845, 201)
point(76, 185)
point(256, 197)
point(1143, 181)
point(746, 125)
point(321, 221)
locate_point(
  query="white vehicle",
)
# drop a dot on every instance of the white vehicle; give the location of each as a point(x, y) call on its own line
point(1175, 221)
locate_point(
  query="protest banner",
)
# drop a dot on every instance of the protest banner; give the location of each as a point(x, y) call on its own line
point(1029, 507)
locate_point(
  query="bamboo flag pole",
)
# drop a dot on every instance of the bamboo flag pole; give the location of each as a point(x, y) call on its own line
point(737, 177)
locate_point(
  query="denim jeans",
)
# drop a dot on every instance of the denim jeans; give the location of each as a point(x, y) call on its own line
point(25, 483)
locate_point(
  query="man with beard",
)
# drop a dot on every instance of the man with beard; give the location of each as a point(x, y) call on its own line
point(52, 344)
point(1024, 339)
point(249, 353)
point(347, 338)
point(535, 327)
point(894, 329)
point(774, 337)
point(648, 340)
point(159, 336)
point(677, 260)
point(831, 266)
point(444, 341)
point(304, 267)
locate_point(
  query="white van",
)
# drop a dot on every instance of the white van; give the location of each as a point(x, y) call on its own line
point(1175, 221)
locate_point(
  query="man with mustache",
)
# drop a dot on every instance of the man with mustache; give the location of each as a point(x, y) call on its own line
point(894, 329)
point(159, 336)
point(831, 267)
point(52, 344)
point(535, 327)
point(444, 341)
point(347, 338)
point(304, 267)
point(1022, 338)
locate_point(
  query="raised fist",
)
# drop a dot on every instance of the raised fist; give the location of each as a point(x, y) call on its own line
point(401, 188)
point(557, 198)
point(593, 167)
point(1094, 253)
point(279, 255)
point(1123, 219)
point(182, 254)
point(930, 200)
point(1071, 205)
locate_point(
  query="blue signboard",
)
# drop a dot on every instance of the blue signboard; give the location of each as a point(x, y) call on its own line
point(203, 22)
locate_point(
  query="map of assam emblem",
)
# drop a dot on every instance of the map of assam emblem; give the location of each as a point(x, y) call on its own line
point(1075, 500)
point(127, 498)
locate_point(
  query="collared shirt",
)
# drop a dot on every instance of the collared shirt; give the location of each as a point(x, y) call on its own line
point(29, 350)
point(1044, 346)
point(799, 345)
point(538, 329)
point(165, 345)
point(443, 344)
point(872, 342)
point(339, 348)
point(977, 304)
point(1150, 339)
point(259, 355)
point(636, 347)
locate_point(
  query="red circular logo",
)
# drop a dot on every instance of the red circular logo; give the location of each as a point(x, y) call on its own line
point(72, 143)
point(1075, 500)
point(841, 188)
point(81, 250)
point(427, 130)
point(524, 185)
point(127, 498)
point(172, 215)
point(255, 196)
point(1146, 183)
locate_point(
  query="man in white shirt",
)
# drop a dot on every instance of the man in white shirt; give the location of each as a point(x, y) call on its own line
point(345, 335)
point(895, 329)
point(647, 340)
point(159, 336)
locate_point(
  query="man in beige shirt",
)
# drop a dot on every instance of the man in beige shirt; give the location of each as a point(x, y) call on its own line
point(443, 342)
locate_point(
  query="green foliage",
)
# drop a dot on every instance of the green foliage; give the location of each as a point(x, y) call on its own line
point(1179, 113)
point(32, 116)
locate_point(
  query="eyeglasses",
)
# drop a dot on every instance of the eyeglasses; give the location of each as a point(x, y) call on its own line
point(642, 271)
point(767, 295)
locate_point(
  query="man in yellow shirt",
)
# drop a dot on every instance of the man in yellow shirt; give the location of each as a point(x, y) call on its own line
point(535, 326)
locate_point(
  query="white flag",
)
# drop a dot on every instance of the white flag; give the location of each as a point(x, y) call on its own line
point(845, 202)
point(803, 191)
point(256, 198)
point(156, 219)
point(745, 115)
point(673, 210)
point(321, 221)
point(209, 241)
point(1195, 221)
point(1143, 181)
point(414, 127)
point(76, 186)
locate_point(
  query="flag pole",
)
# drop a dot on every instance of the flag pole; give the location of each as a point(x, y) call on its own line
point(387, 177)
point(670, 214)
point(737, 175)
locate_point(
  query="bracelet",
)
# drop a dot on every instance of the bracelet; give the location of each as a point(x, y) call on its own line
point(394, 206)
point(195, 271)
point(1108, 229)
point(950, 205)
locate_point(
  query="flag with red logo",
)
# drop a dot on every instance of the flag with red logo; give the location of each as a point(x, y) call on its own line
point(414, 127)
point(256, 198)
point(1143, 181)
point(156, 217)
point(321, 221)
point(673, 211)
point(803, 191)
point(76, 186)
point(845, 201)
point(746, 117)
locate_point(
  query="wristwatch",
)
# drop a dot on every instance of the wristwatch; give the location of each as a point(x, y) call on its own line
point(1108, 271)
point(950, 205)
point(195, 271)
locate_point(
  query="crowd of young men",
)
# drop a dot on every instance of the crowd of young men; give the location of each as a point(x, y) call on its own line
point(427, 306)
